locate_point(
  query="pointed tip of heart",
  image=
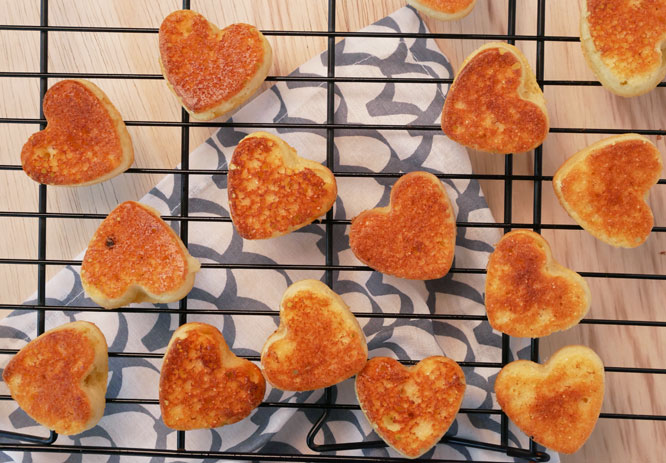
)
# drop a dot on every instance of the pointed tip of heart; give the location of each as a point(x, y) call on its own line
point(414, 237)
point(557, 403)
point(272, 191)
point(411, 408)
point(60, 155)
point(495, 104)
point(319, 342)
point(59, 378)
point(211, 71)
point(444, 10)
point(135, 256)
point(529, 294)
point(203, 384)
point(604, 188)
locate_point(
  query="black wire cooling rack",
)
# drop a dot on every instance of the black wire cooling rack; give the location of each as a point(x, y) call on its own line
point(15, 441)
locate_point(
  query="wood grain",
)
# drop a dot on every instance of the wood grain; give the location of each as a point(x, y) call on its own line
point(613, 440)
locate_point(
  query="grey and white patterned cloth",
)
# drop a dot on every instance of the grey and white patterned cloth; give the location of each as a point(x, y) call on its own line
point(283, 430)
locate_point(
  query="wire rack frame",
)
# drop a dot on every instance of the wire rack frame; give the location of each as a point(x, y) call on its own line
point(15, 441)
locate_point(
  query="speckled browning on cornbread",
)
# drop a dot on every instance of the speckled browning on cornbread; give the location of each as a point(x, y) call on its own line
point(623, 42)
point(85, 141)
point(495, 104)
point(211, 71)
point(414, 237)
point(528, 294)
point(272, 191)
point(411, 408)
point(604, 188)
point(444, 10)
point(59, 379)
point(203, 384)
point(318, 344)
point(558, 403)
point(135, 256)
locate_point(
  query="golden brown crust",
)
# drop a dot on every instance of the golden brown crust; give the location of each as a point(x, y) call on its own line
point(59, 378)
point(445, 10)
point(318, 344)
point(135, 256)
point(411, 408)
point(85, 142)
point(558, 403)
point(623, 42)
point(414, 237)
point(203, 384)
point(495, 104)
point(272, 191)
point(528, 294)
point(604, 188)
point(211, 71)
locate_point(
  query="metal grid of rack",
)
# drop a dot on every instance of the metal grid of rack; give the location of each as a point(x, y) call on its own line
point(23, 442)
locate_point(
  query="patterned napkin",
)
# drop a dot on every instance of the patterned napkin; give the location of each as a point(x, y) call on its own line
point(281, 430)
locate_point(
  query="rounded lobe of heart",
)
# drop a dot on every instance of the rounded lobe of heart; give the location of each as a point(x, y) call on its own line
point(447, 6)
point(484, 110)
point(527, 293)
point(45, 379)
point(133, 246)
point(628, 34)
point(203, 384)
point(606, 190)
point(415, 238)
point(557, 404)
point(80, 143)
point(206, 66)
point(268, 197)
point(320, 346)
point(411, 408)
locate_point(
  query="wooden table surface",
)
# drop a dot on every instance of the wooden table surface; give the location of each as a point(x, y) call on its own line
point(569, 106)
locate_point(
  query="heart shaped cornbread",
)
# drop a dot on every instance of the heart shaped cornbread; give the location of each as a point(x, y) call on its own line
point(85, 142)
point(211, 71)
point(318, 344)
point(410, 408)
point(59, 378)
point(135, 257)
point(604, 188)
point(623, 42)
point(495, 104)
point(203, 384)
point(414, 237)
point(272, 191)
point(557, 404)
point(528, 294)
point(444, 10)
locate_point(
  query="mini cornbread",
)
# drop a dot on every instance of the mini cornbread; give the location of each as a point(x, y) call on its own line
point(211, 71)
point(414, 237)
point(85, 141)
point(623, 42)
point(444, 10)
point(203, 384)
point(410, 408)
point(605, 186)
point(556, 404)
point(528, 294)
point(495, 104)
point(135, 257)
point(318, 344)
point(59, 378)
point(272, 191)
